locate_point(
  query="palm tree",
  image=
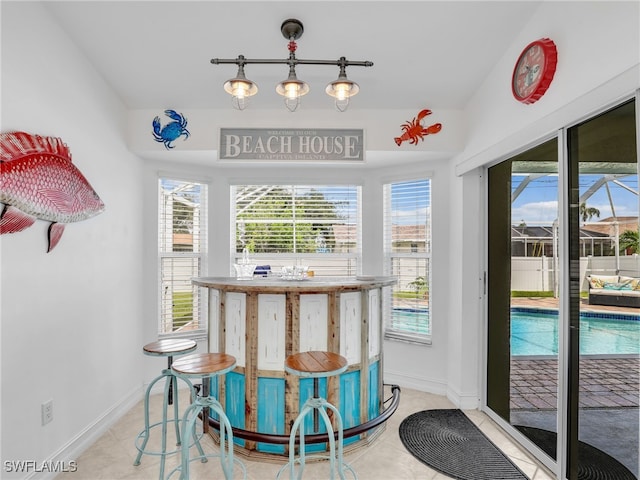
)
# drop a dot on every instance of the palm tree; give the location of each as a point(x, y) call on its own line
point(587, 213)
point(628, 241)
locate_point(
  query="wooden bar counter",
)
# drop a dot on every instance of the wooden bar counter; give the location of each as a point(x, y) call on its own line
point(262, 321)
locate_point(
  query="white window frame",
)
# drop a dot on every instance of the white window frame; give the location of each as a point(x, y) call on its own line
point(391, 299)
point(195, 262)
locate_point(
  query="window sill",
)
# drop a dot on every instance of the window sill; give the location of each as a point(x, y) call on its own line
point(193, 335)
point(407, 338)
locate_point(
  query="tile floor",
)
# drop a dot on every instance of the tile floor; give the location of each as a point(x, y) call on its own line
point(112, 456)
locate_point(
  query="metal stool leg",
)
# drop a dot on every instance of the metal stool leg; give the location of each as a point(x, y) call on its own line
point(311, 407)
point(170, 390)
point(201, 404)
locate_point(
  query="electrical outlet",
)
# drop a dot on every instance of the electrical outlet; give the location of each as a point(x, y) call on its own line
point(47, 412)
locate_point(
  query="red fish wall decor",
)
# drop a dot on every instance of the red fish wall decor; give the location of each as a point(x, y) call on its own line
point(414, 130)
point(39, 181)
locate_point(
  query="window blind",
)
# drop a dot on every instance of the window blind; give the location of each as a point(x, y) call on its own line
point(182, 250)
point(407, 244)
point(317, 226)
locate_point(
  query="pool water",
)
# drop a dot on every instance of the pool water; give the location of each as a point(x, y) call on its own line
point(415, 320)
point(536, 333)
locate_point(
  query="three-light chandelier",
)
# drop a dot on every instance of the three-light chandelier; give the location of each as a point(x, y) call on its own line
point(240, 88)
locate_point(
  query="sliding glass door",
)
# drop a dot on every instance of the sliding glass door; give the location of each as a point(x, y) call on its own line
point(604, 322)
point(563, 312)
point(523, 290)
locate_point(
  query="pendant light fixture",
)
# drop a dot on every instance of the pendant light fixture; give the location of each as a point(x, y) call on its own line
point(240, 88)
point(342, 88)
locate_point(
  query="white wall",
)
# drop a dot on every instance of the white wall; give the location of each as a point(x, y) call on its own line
point(598, 63)
point(72, 318)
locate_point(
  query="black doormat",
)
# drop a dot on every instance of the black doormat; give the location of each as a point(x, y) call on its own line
point(593, 463)
point(447, 441)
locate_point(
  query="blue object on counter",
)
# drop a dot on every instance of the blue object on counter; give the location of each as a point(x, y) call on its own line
point(262, 270)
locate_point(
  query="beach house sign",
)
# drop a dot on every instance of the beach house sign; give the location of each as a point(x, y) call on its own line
point(282, 144)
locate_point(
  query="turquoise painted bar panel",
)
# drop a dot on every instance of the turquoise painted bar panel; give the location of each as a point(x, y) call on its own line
point(306, 391)
point(214, 392)
point(270, 411)
point(234, 389)
point(373, 390)
point(350, 401)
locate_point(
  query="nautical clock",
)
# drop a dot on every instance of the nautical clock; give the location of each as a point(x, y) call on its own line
point(534, 71)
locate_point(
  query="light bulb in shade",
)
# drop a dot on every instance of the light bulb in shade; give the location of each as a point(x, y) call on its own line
point(342, 90)
point(292, 89)
point(240, 95)
point(240, 89)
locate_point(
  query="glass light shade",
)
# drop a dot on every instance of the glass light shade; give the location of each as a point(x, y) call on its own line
point(240, 90)
point(342, 90)
point(292, 90)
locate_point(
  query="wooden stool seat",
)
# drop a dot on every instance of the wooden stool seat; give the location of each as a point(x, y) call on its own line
point(203, 364)
point(315, 364)
point(170, 346)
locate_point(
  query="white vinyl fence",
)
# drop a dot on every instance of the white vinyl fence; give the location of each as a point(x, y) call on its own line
point(539, 273)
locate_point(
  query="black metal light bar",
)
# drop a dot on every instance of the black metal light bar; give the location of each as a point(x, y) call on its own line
point(240, 88)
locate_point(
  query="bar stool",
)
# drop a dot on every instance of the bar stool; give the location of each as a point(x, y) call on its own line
point(206, 366)
point(316, 365)
point(164, 348)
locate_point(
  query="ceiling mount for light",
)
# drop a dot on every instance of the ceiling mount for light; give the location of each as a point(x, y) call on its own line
point(240, 88)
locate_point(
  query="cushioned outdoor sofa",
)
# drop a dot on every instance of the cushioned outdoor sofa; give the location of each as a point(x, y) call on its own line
point(614, 290)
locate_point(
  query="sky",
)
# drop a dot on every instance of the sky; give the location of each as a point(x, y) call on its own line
point(537, 204)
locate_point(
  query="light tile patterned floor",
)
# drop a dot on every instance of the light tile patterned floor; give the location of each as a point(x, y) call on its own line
point(111, 457)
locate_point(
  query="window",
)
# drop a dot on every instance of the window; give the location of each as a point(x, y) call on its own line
point(314, 226)
point(407, 244)
point(182, 255)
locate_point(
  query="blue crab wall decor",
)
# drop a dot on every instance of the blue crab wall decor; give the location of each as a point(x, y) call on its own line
point(172, 130)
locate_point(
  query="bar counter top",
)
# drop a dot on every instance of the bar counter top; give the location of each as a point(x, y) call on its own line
point(274, 284)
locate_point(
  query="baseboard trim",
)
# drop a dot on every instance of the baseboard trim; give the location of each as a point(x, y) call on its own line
point(77, 445)
point(415, 383)
point(463, 401)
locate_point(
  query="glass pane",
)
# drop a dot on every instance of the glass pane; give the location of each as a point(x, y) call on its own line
point(315, 226)
point(410, 305)
point(407, 236)
point(181, 250)
point(602, 155)
point(179, 300)
point(522, 374)
point(296, 219)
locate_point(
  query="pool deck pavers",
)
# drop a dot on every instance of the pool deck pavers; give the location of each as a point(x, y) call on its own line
point(605, 381)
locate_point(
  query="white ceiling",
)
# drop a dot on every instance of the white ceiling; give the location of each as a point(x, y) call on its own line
point(157, 54)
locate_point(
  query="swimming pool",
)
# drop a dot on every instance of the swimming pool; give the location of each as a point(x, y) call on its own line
point(535, 332)
point(414, 320)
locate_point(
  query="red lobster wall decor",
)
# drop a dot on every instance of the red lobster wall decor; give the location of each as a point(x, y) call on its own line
point(414, 130)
